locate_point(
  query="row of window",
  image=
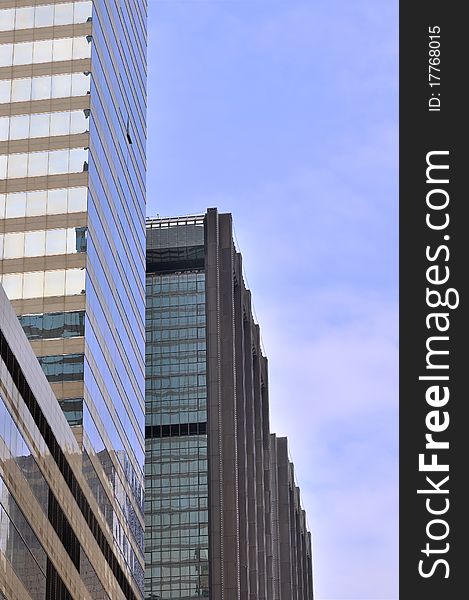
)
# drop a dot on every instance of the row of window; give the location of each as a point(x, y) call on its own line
point(53, 325)
point(43, 242)
point(62, 367)
point(43, 202)
point(45, 16)
point(38, 164)
point(44, 51)
point(20, 127)
point(44, 88)
point(39, 284)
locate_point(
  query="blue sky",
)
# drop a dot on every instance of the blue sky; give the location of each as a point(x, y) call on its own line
point(284, 112)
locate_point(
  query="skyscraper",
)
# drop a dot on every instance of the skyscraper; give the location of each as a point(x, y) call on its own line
point(216, 495)
point(72, 230)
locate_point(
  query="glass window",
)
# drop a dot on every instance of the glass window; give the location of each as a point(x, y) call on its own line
point(44, 16)
point(23, 53)
point(2, 205)
point(20, 90)
point(3, 166)
point(56, 241)
point(33, 284)
point(77, 199)
point(34, 243)
point(58, 162)
point(78, 160)
point(56, 202)
point(39, 125)
point(79, 122)
point(13, 245)
point(61, 86)
point(37, 163)
point(81, 48)
point(19, 127)
point(6, 55)
point(15, 205)
point(5, 91)
point(41, 87)
point(62, 49)
point(63, 14)
point(4, 127)
point(54, 283)
point(7, 19)
point(83, 11)
point(17, 166)
point(24, 18)
point(80, 84)
point(36, 203)
point(59, 123)
point(75, 281)
point(42, 51)
point(13, 285)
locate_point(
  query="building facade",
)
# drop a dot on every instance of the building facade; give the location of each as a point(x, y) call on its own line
point(72, 232)
point(214, 491)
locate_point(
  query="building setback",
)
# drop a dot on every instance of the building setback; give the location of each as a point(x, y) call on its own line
point(218, 489)
point(72, 232)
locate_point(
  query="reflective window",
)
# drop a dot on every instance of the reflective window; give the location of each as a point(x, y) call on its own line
point(40, 284)
point(73, 412)
point(43, 51)
point(45, 202)
point(63, 367)
point(35, 164)
point(53, 325)
point(45, 16)
point(44, 88)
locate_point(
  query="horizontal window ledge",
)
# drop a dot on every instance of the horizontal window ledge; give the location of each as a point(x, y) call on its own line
point(30, 107)
point(44, 33)
point(58, 346)
point(52, 304)
point(58, 142)
point(79, 65)
point(43, 263)
point(37, 223)
point(45, 182)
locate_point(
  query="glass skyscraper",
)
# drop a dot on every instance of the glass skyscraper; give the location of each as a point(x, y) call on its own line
point(223, 514)
point(72, 232)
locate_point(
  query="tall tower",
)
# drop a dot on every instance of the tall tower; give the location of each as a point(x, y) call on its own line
point(213, 487)
point(72, 230)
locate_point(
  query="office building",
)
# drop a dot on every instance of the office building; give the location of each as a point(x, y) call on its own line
point(72, 232)
point(215, 495)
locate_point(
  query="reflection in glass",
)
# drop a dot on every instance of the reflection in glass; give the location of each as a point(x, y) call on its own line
point(56, 241)
point(33, 284)
point(50, 202)
point(22, 285)
point(34, 243)
point(54, 283)
point(43, 124)
point(45, 16)
point(44, 87)
point(37, 163)
point(23, 53)
point(40, 51)
point(5, 90)
point(20, 90)
point(36, 203)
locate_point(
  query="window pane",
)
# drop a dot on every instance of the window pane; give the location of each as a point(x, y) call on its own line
point(83, 11)
point(75, 281)
point(23, 53)
point(17, 165)
point(58, 162)
point(39, 125)
point(20, 90)
point(62, 49)
point(15, 205)
point(6, 54)
point(42, 51)
point(56, 202)
point(63, 14)
point(41, 87)
point(7, 19)
point(60, 123)
point(24, 18)
point(77, 199)
point(36, 203)
point(13, 285)
point(13, 246)
point(4, 128)
point(81, 48)
point(37, 163)
point(2, 205)
point(79, 122)
point(54, 284)
point(78, 158)
point(61, 86)
point(34, 243)
point(56, 241)
point(19, 128)
point(80, 84)
point(44, 16)
point(5, 91)
point(33, 285)
point(3, 166)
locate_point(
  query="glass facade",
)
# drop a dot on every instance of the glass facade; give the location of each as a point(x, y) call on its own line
point(79, 160)
point(176, 486)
